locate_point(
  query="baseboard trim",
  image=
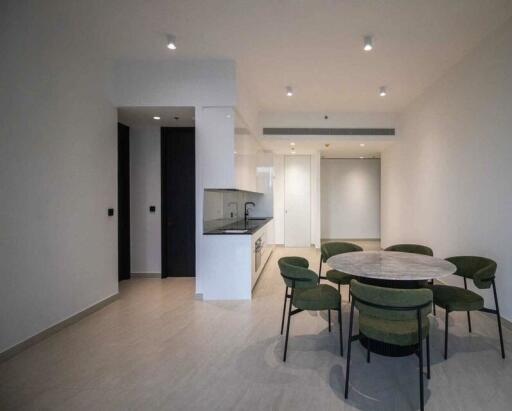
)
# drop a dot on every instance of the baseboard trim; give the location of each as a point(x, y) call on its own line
point(16, 349)
point(146, 275)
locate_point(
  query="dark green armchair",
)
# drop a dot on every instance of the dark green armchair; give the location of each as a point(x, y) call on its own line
point(306, 294)
point(411, 248)
point(482, 271)
point(393, 316)
point(331, 249)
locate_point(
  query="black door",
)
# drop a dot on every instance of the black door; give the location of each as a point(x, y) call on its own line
point(178, 202)
point(123, 201)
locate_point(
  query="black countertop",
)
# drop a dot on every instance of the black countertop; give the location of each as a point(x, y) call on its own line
point(251, 225)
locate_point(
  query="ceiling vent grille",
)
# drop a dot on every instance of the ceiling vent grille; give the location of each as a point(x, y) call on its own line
point(290, 131)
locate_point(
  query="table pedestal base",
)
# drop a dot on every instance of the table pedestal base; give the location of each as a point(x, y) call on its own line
point(389, 350)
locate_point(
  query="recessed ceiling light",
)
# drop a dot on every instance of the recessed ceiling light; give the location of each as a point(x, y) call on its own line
point(156, 118)
point(361, 157)
point(171, 42)
point(383, 91)
point(289, 91)
point(234, 152)
point(361, 145)
point(228, 115)
point(292, 144)
point(368, 43)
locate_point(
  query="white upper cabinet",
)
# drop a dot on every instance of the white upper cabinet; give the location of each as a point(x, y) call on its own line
point(248, 158)
point(218, 158)
point(233, 156)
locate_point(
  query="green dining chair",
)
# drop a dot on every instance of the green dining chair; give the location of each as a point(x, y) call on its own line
point(328, 250)
point(393, 316)
point(411, 248)
point(307, 294)
point(415, 249)
point(482, 271)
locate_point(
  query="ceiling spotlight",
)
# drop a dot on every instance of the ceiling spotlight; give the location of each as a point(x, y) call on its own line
point(292, 144)
point(156, 118)
point(383, 91)
point(368, 43)
point(289, 91)
point(171, 42)
point(361, 145)
point(361, 157)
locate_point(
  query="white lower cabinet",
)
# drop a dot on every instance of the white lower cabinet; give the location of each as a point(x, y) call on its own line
point(262, 247)
point(230, 263)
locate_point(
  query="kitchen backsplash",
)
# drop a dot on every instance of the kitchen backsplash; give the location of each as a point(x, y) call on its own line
point(222, 207)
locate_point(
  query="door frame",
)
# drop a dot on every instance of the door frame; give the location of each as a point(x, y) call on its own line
point(123, 202)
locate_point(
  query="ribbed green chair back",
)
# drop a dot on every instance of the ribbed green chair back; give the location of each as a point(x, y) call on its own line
point(480, 269)
point(297, 268)
point(335, 248)
point(392, 297)
point(411, 248)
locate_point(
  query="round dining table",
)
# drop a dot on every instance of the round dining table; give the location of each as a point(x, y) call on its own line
point(391, 269)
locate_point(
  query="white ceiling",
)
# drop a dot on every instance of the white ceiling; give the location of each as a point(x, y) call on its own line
point(313, 45)
point(169, 116)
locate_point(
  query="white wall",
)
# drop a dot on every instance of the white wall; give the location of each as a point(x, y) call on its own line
point(207, 85)
point(447, 182)
point(350, 198)
point(145, 190)
point(58, 169)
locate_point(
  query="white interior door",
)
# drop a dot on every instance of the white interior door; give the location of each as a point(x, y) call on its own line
point(297, 201)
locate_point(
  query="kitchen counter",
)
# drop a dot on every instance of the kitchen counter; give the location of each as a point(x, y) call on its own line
point(243, 227)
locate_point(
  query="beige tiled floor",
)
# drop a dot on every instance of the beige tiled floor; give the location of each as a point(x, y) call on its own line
point(158, 348)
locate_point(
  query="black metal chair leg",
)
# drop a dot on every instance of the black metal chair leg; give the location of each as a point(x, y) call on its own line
point(428, 357)
point(434, 308)
point(329, 316)
point(341, 329)
point(284, 309)
point(320, 270)
point(368, 350)
point(469, 316)
point(446, 335)
point(288, 326)
point(420, 348)
point(347, 373)
point(499, 319)
point(349, 296)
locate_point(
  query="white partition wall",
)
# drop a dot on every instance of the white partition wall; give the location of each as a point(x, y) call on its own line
point(446, 183)
point(350, 198)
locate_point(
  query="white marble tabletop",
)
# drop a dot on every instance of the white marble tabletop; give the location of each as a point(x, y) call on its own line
point(391, 265)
